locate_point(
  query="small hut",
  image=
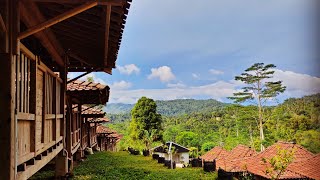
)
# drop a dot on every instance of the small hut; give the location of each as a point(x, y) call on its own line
point(179, 153)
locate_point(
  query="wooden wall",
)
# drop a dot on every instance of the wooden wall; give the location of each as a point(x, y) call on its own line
point(38, 97)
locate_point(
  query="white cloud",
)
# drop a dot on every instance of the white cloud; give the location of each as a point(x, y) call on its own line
point(128, 69)
point(218, 90)
point(177, 85)
point(120, 85)
point(297, 84)
point(216, 72)
point(164, 73)
point(195, 76)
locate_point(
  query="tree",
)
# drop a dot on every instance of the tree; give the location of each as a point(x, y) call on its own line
point(258, 89)
point(279, 162)
point(145, 121)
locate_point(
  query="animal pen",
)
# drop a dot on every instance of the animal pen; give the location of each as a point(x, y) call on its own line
point(40, 42)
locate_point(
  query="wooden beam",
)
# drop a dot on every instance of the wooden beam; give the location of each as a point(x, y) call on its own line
point(101, 2)
point(57, 19)
point(31, 15)
point(106, 36)
point(2, 24)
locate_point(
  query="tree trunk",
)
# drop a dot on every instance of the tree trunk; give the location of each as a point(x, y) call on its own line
point(261, 125)
point(260, 117)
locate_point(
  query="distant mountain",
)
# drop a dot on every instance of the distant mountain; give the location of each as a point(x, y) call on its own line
point(172, 107)
point(118, 108)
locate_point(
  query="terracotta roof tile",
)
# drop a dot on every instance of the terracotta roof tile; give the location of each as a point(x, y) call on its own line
point(89, 110)
point(309, 167)
point(255, 164)
point(88, 92)
point(105, 130)
point(98, 120)
point(214, 153)
point(78, 85)
point(230, 162)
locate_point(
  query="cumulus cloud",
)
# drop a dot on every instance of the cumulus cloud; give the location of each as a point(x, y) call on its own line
point(121, 85)
point(128, 69)
point(164, 73)
point(218, 90)
point(216, 72)
point(297, 84)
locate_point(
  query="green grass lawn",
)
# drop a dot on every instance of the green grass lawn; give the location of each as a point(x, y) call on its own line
point(121, 165)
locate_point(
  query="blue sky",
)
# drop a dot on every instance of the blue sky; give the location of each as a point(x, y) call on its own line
point(174, 49)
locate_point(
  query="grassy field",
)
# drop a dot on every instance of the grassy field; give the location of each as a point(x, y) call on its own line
point(121, 165)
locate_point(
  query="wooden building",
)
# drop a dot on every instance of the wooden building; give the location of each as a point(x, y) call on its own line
point(257, 165)
point(91, 117)
point(79, 93)
point(107, 138)
point(40, 42)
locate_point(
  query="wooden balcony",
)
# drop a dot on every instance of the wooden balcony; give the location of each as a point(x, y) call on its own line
point(39, 115)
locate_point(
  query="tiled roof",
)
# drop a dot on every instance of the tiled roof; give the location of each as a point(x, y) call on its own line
point(215, 153)
point(78, 85)
point(229, 162)
point(88, 92)
point(241, 151)
point(257, 166)
point(89, 110)
point(98, 120)
point(308, 167)
point(105, 130)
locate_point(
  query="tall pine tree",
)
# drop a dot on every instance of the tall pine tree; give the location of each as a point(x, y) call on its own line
point(259, 89)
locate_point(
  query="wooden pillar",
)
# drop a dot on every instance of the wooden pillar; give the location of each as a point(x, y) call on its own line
point(61, 168)
point(7, 91)
point(89, 132)
point(79, 153)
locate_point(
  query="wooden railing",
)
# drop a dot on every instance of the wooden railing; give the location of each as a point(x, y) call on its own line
point(93, 136)
point(38, 106)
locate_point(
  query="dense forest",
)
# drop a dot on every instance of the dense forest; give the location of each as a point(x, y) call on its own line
point(119, 112)
point(202, 124)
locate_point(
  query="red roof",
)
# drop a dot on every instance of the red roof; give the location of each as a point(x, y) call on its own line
point(214, 153)
point(105, 130)
point(308, 167)
point(91, 110)
point(85, 92)
point(98, 120)
point(230, 162)
point(257, 166)
point(78, 85)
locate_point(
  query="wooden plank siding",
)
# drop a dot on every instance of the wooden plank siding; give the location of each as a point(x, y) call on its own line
point(38, 101)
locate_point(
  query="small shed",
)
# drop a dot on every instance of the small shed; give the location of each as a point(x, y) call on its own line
point(180, 154)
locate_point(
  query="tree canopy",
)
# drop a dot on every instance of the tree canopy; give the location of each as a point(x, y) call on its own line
point(145, 121)
point(257, 87)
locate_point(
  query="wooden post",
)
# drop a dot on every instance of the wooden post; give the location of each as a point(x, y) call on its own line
point(33, 104)
point(7, 91)
point(62, 158)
